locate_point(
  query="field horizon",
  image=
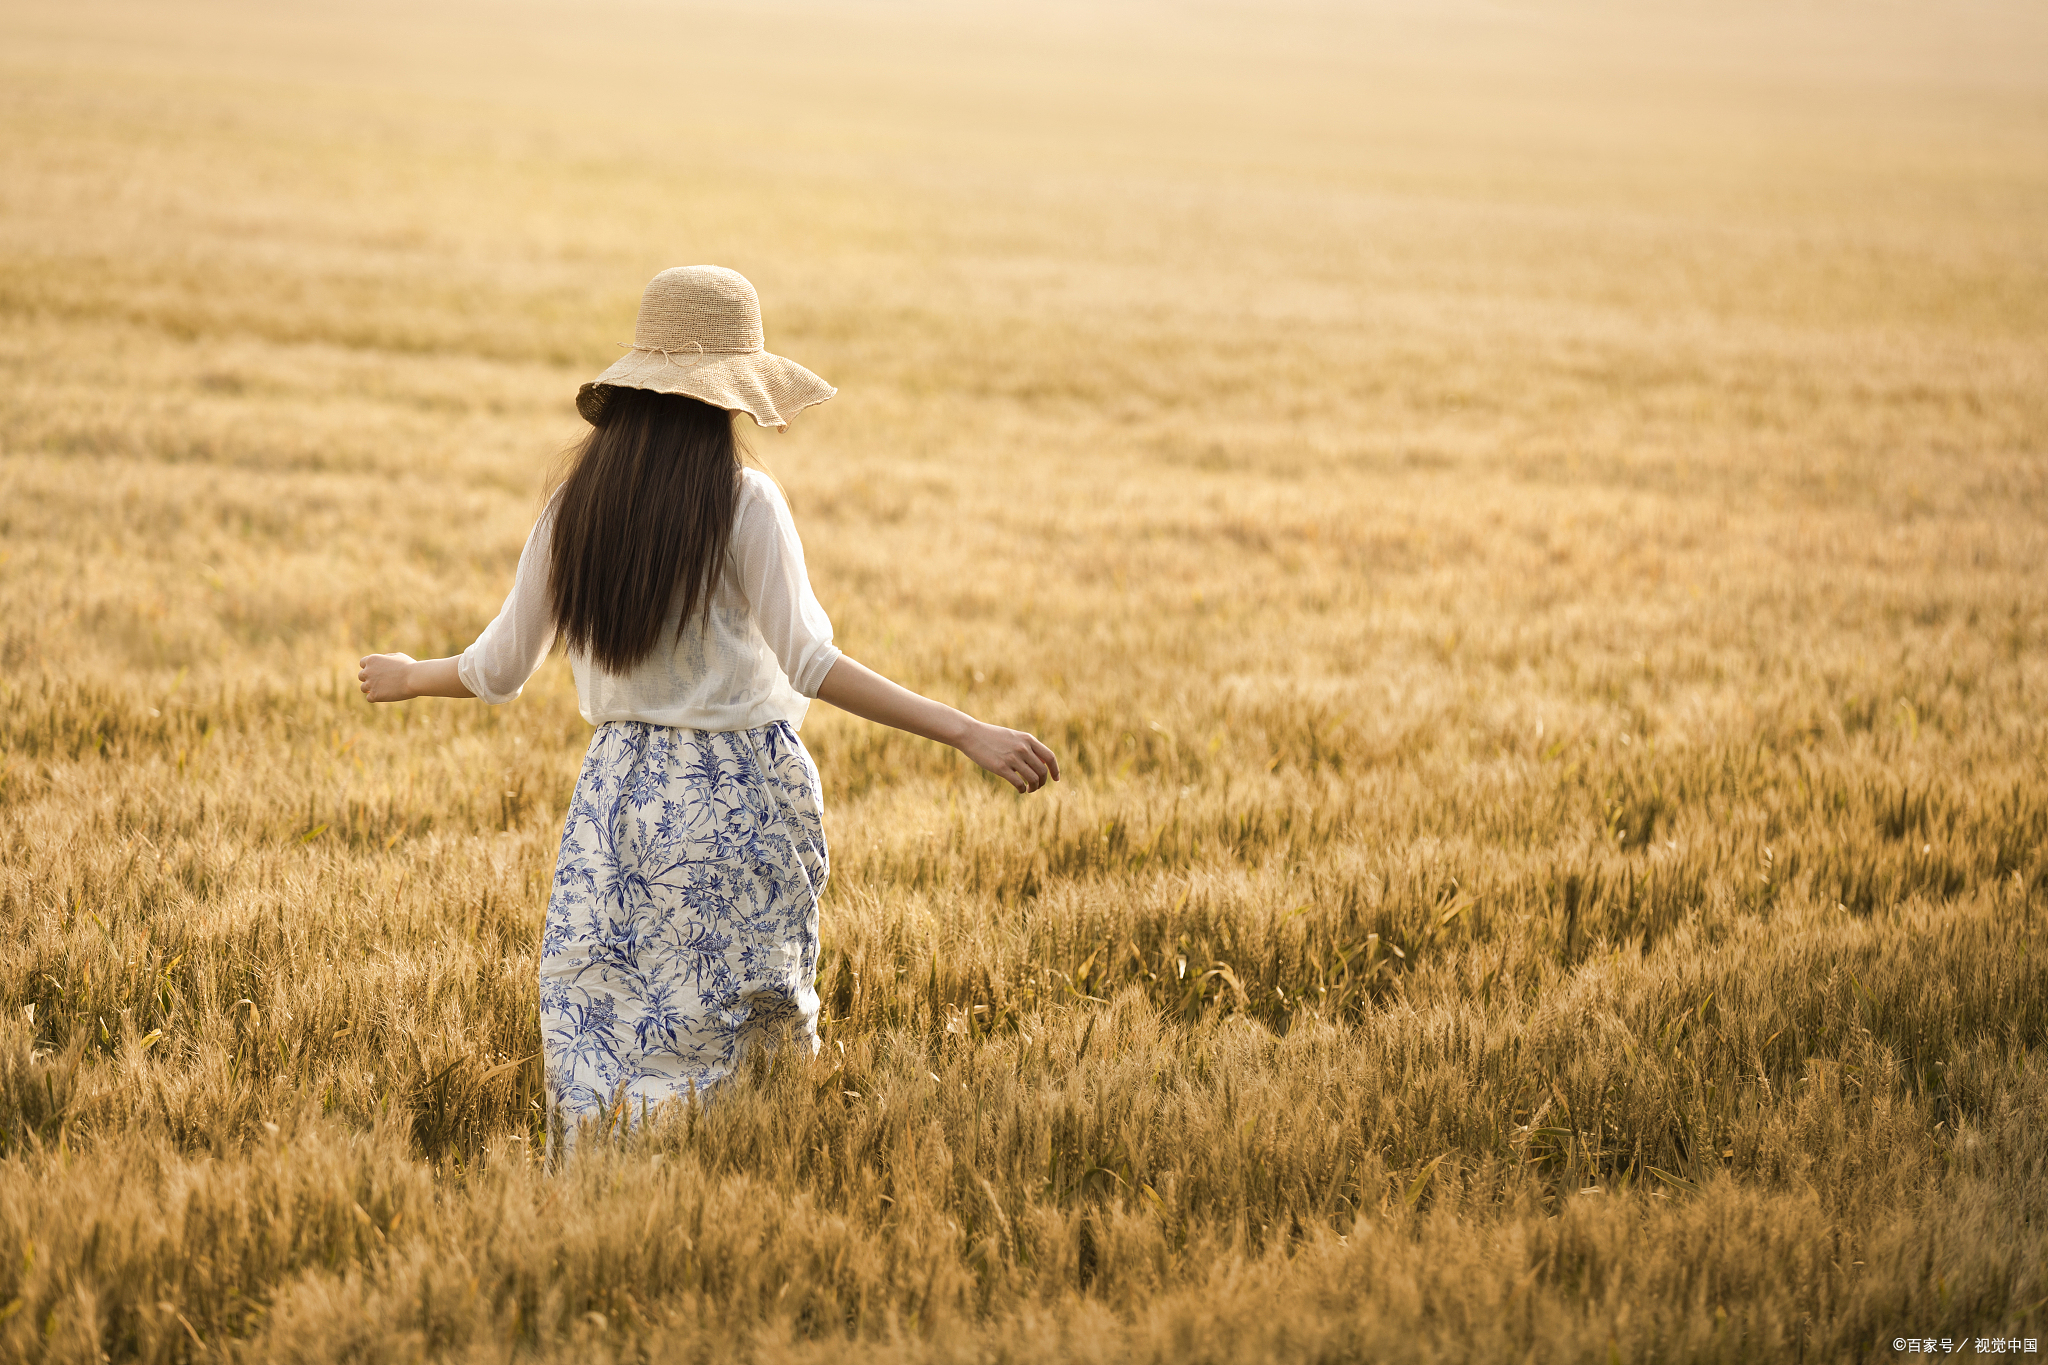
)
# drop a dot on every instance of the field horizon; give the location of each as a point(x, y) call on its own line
point(1523, 524)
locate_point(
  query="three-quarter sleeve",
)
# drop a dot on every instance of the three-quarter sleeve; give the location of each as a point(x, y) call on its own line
point(770, 561)
point(513, 645)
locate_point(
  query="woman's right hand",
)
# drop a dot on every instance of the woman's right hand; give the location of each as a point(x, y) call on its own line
point(1019, 759)
point(1016, 757)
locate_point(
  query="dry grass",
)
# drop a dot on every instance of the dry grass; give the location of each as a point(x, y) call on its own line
point(1525, 527)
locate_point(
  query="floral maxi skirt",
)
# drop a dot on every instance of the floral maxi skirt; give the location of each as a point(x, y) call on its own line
point(683, 923)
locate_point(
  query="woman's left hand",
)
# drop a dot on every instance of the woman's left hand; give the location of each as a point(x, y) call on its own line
point(387, 677)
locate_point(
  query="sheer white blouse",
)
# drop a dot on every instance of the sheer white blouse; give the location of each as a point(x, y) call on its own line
point(758, 655)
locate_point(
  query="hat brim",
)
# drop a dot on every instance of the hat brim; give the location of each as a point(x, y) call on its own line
point(763, 385)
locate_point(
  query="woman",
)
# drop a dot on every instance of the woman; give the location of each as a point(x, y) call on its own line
point(683, 923)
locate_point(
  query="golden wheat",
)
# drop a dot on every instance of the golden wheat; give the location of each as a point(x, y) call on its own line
point(1524, 528)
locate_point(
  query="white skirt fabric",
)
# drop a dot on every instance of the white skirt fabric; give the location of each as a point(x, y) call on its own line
point(683, 924)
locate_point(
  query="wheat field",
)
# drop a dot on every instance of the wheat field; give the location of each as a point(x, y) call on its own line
point(1523, 523)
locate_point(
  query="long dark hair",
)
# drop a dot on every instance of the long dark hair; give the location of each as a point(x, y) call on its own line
point(643, 521)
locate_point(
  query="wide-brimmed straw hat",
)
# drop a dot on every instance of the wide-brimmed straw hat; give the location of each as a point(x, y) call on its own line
point(699, 333)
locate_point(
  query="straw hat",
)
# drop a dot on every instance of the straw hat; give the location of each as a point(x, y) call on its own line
point(699, 333)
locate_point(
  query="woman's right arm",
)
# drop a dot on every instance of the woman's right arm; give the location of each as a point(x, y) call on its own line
point(1013, 755)
point(770, 558)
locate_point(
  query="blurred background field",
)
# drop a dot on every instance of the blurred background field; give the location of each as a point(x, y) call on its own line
point(1524, 524)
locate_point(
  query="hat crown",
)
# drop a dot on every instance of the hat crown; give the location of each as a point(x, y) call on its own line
point(699, 308)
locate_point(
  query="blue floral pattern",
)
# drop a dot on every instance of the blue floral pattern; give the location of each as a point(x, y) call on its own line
point(683, 924)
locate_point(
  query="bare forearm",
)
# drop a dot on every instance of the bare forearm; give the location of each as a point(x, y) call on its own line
point(852, 686)
point(400, 677)
point(437, 678)
point(1013, 755)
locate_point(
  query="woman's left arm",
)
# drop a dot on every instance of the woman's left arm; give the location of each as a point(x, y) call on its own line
point(497, 666)
point(400, 677)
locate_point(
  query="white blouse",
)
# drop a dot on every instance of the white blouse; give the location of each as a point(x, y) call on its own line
point(758, 655)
